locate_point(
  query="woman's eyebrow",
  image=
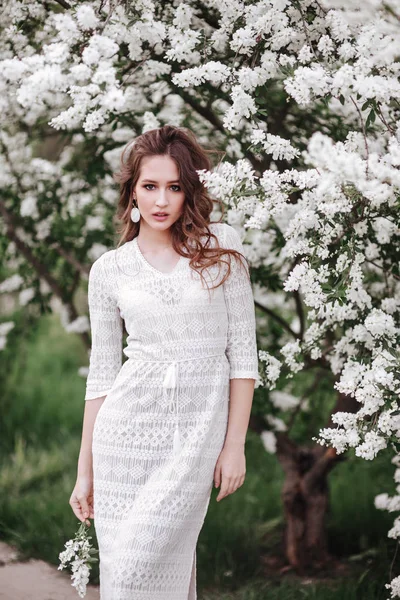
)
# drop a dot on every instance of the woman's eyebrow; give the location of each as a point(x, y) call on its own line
point(152, 181)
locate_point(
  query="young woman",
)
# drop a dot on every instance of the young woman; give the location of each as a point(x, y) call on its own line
point(160, 428)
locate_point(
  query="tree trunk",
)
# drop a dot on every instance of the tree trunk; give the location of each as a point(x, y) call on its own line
point(305, 502)
point(305, 494)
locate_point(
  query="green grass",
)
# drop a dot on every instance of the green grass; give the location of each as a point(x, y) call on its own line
point(42, 407)
point(36, 486)
point(42, 399)
point(261, 589)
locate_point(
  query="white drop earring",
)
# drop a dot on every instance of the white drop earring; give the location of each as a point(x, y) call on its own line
point(135, 214)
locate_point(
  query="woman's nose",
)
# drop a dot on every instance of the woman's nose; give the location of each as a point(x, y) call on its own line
point(162, 199)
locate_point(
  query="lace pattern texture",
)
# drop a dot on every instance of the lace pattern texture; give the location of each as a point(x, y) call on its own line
point(162, 425)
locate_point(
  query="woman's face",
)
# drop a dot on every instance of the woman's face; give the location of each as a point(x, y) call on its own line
point(158, 190)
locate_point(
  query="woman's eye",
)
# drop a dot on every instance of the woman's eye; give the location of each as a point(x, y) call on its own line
point(146, 185)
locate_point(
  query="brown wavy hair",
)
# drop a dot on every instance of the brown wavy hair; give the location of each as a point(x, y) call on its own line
point(180, 144)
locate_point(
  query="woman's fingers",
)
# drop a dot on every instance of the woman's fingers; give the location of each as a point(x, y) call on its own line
point(217, 475)
point(224, 488)
point(84, 506)
point(81, 508)
point(229, 485)
point(81, 500)
point(76, 507)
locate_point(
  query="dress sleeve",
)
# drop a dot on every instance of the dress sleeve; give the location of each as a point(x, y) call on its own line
point(106, 326)
point(241, 349)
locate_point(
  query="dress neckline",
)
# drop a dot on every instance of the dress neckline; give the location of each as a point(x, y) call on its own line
point(151, 267)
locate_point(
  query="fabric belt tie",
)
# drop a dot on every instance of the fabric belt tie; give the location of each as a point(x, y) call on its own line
point(171, 382)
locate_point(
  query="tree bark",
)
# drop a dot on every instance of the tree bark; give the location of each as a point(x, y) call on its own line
point(305, 499)
point(305, 492)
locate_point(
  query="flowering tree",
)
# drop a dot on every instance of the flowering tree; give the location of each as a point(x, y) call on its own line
point(304, 97)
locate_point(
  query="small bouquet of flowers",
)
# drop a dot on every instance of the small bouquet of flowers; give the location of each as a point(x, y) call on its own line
point(79, 552)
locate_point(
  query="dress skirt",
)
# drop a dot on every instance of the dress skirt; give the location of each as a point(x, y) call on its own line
point(150, 501)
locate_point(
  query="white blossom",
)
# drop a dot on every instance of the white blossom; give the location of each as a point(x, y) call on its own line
point(283, 400)
point(86, 17)
point(11, 284)
point(79, 325)
point(268, 439)
point(25, 296)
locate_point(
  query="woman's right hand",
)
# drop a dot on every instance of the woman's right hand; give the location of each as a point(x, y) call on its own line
point(81, 500)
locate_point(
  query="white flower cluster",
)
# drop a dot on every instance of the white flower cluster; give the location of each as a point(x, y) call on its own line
point(272, 369)
point(5, 327)
point(78, 555)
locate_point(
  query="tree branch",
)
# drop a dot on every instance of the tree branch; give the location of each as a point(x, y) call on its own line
point(63, 3)
point(277, 318)
point(70, 259)
point(300, 312)
point(39, 267)
point(205, 112)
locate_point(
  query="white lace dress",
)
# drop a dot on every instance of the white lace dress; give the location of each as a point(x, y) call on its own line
point(162, 425)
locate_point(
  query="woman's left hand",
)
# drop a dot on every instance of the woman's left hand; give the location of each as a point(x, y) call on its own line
point(230, 469)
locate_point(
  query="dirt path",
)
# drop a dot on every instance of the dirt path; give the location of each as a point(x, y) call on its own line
point(35, 580)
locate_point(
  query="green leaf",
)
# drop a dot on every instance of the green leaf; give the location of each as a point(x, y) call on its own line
point(370, 119)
